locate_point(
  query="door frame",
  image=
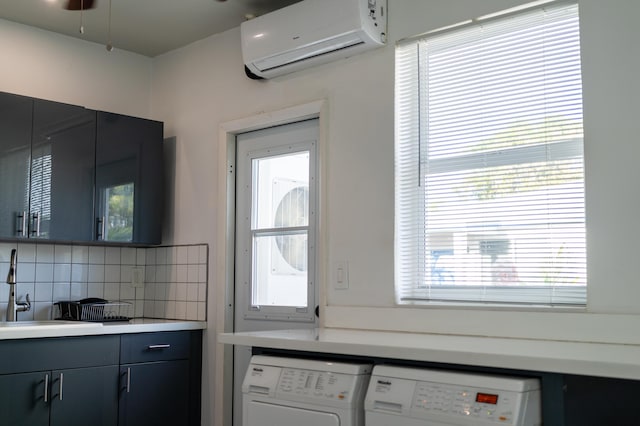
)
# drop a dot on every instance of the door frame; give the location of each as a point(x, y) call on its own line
point(225, 239)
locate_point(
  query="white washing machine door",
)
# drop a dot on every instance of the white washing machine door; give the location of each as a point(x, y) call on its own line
point(268, 414)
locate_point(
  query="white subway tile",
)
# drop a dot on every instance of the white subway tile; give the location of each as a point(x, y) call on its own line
point(42, 311)
point(181, 292)
point(192, 273)
point(112, 291)
point(5, 251)
point(26, 252)
point(192, 292)
point(25, 272)
point(62, 254)
point(202, 311)
point(141, 257)
point(126, 273)
point(79, 291)
point(97, 255)
point(96, 274)
point(44, 253)
point(127, 292)
point(182, 273)
point(43, 292)
point(161, 273)
point(112, 256)
point(193, 255)
point(62, 272)
point(202, 274)
point(44, 272)
point(80, 254)
point(161, 291)
point(95, 290)
point(181, 310)
point(192, 311)
point(62, 292)
point(183, 255)
point(202, 292)
point(112, 273)
point(170, 312)
point(204, 253)
point(128, 256)
point(79, 273)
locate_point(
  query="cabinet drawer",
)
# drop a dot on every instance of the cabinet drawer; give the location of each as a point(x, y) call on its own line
point(57, 353)
point(145, 347)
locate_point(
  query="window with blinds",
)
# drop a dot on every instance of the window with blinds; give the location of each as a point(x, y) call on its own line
point(489, 163)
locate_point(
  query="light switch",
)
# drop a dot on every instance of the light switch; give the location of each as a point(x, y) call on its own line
point(341, 275)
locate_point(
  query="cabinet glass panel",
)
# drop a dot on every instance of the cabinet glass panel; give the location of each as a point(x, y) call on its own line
point(15, 155)
point(62, 172)
point(129, 179)
point(119, 203)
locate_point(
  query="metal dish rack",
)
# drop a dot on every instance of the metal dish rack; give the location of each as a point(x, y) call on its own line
point(93, 310)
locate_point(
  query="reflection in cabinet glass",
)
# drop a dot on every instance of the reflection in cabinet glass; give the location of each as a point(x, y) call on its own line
point(129, 179)
point(15, 155)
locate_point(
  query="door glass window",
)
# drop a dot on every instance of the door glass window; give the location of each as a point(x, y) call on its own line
point(280, 229)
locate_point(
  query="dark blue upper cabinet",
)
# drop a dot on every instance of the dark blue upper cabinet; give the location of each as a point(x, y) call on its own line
point(62, 172)
point(129, 191)
point(72, 174)
point(15, 154)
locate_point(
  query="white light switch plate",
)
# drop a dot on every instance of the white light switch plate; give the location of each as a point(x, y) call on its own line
point(341, 275)
point(137, 276)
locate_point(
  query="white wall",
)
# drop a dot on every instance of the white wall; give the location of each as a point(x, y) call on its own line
point(198, 88)
point(50, 66)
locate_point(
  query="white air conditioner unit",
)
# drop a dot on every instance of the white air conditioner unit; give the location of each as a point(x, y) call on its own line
point(311, 32)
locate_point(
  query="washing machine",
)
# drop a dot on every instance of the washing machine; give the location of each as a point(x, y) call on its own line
point(401, 396)
point(280, 391)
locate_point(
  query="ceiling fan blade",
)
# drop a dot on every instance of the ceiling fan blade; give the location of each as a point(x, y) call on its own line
point(80, 4)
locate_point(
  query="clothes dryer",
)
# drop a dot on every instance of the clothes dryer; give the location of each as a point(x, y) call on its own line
point(299, 392)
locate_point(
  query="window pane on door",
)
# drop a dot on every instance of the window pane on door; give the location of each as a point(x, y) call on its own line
point(280, 218)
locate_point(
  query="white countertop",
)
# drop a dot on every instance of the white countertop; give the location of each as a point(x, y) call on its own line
point(593, 359)
point(37, 329)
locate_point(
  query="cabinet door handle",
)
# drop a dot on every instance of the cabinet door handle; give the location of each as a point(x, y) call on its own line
point(21, 224)
point(35, 224)
point(61, 385)
point(46, 388)
point(161, 346)
point(100, 228)
point(128, 379)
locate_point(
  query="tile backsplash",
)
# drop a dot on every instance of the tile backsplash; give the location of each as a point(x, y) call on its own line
point(175, 278)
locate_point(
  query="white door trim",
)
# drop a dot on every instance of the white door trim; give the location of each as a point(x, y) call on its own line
point(222, 294)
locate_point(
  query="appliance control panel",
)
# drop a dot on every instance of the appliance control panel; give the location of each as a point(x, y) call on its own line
point(461, 399)
point(343, 387)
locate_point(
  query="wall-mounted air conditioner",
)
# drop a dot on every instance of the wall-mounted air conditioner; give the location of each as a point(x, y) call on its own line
point(311, 32)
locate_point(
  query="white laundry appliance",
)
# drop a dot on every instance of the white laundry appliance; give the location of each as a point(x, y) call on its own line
point(402, 396)
point(280, 391)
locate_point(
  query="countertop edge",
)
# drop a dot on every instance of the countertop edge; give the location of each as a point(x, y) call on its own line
point(141, 325)
point(583, 358)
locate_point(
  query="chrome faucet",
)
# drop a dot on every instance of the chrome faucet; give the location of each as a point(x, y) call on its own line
point(14, 307)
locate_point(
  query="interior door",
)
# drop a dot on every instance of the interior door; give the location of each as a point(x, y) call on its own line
point(276, 221)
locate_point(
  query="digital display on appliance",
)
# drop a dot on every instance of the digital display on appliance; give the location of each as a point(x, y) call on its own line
point(486, 398)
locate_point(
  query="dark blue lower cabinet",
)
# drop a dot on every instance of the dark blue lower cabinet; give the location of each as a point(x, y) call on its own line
point(24, 399)
point(74, 397)
point(85, 396)
point(154, 394)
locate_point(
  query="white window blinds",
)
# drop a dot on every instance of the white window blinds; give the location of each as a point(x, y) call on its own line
point(489, 163)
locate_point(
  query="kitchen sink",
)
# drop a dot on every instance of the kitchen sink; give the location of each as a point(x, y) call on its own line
point(49, 323)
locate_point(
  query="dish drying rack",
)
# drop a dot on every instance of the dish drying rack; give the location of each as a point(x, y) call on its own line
point(93, 310)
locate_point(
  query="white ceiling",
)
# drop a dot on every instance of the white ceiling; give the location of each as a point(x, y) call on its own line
point(147, 27)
